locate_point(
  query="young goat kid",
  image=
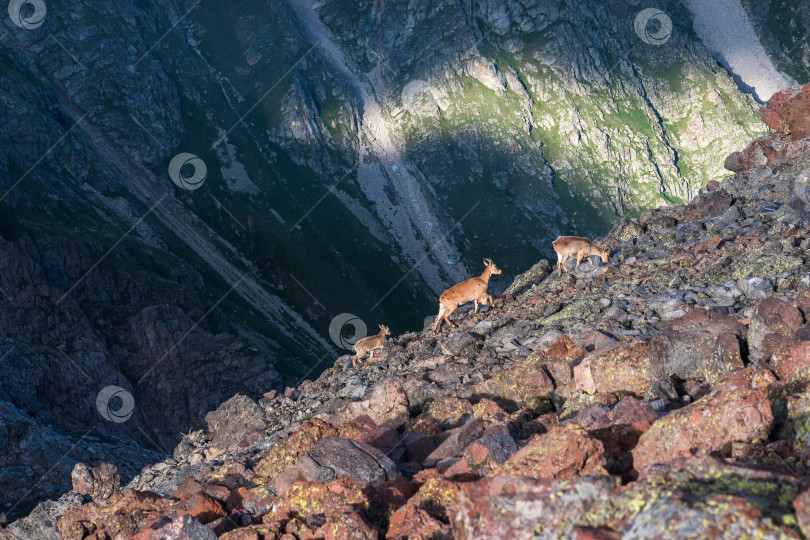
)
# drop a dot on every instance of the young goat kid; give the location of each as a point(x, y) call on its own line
point(566, 246)
point(369, 345)
point(472, 290)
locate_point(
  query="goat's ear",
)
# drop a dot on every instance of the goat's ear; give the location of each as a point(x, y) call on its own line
point(381, 327)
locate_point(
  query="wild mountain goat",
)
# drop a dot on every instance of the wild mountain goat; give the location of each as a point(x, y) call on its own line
point(566, 246)
point(369, 345)
point(472, 290)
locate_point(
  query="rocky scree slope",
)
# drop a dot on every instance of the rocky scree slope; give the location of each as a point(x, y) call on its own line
point(537, 106)
point(661, 395)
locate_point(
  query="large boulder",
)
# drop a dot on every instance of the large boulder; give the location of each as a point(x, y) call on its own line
point(788, 112)
point(233, 420)
point(618, 367)
point(562, 453)
point(729, 413)
point(517, 507)
point(333, 457)
point(707, 205)
point(700, 345)
point(98, 482)
point(524, 385)
point(387, 405)
point(772, 324)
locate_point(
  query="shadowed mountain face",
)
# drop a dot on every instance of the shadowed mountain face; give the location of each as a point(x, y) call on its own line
point(358, 158)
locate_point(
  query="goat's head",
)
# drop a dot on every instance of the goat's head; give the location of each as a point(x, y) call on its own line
point(385, 331)
point(604, 253)
point(492, 268)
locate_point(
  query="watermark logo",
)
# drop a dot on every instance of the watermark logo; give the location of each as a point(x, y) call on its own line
point(507, 491)
point(115, 404)
point(28, 14)
point(745, 421)
point(184, 178)
point(346, 329)
point(653, 26)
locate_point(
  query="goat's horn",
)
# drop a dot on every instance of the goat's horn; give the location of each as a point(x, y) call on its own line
point(487, 262)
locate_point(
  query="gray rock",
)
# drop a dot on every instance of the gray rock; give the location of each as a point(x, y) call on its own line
point(333, 457)
point(533, 276)
point(40, 524)
point(233, 420)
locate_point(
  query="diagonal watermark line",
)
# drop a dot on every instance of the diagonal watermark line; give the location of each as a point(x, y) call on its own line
point(307, 291)
point(67, 51)
point(228, 212)
point(64, 356)
point(54, 145)
point(190, 330)
point(41, 478)
point(150, 439)
point(148, 132)
point(425, 256)
point(144, 55)
point(8, 352)
point(331, 189)
point(267, 93)
point(138, 222)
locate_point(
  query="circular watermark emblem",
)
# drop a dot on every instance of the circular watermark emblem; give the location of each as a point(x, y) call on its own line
point(115, 404)
point(28, 14)
point(745, 421)
point(183, 177)
point(507, 491)
point(346, 329)
point(653, 26)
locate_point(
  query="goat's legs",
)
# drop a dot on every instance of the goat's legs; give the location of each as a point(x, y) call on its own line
point(437, 324)
point(447, 317)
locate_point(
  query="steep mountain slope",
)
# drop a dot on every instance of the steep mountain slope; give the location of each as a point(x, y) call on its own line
point(360, 156)
point(661, 395)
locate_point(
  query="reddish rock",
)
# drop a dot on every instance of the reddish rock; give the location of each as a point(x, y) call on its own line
point(387, 406)
point(123, 513)
point(562, 453)
point(455, 441)
point(788, 112)
point(803, 303)
point(515, 507)
point(524, 385)
point(773, 316)
point(792, 358)
point(564, 349)
point(765, 150)
point(412, 523)
point(710, 424)
point(707, 205)
point(591, 533)
point(202, 507)
point(619, 368)
point(254, 532)
point(801, 505)
point(489, 412)
point(709, 245)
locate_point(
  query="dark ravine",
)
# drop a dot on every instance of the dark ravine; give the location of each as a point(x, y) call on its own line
point(661, 395)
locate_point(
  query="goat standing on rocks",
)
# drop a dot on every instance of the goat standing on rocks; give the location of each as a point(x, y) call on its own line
point(472, 290)
point(566, 246)
point(369, 345)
